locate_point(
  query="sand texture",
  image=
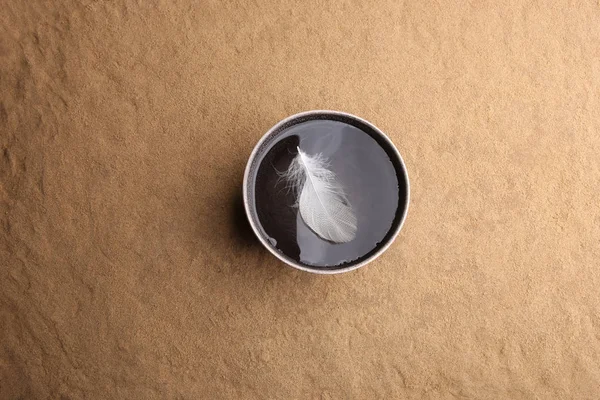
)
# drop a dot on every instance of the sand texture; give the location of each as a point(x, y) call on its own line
point(127, 270)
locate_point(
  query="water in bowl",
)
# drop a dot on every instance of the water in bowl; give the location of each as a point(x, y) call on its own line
point(363, 168)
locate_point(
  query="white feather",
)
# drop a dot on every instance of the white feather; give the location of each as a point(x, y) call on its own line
point(322, 202)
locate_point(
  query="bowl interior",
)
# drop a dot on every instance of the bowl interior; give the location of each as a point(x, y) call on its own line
point(273, 134)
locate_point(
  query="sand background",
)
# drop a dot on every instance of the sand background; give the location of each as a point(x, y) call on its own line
point(128, 272)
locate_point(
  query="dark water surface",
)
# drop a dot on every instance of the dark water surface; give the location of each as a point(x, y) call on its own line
point(364, 170)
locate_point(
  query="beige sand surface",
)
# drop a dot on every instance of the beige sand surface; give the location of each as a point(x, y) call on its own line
point(126, 271)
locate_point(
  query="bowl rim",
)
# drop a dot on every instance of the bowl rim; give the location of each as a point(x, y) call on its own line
point(292, 263)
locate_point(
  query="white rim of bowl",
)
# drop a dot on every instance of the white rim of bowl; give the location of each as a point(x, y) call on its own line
point(290, 262)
